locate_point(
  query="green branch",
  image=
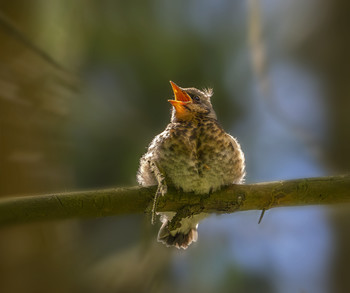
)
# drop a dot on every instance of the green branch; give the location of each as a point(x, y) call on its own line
point(117, 201)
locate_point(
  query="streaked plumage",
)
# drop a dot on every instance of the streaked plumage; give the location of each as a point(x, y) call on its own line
point(193, 154)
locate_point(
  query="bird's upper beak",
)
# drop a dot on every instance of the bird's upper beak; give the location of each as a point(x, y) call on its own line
point(181, 98)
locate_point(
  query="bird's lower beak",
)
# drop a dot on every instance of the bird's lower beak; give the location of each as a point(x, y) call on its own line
point(181, 97)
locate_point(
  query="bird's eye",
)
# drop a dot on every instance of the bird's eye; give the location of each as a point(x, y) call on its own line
point(196, 98)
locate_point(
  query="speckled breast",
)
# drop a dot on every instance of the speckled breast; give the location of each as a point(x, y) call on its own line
point(199, 156)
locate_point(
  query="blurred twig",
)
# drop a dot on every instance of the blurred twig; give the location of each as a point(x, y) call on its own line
point(259, 58)
point(260, 65)
point(116, 201)
point(8, 26)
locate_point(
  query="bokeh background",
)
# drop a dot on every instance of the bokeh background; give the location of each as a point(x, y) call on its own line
point(83, 90)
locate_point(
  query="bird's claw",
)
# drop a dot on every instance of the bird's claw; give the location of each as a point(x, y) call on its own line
point(161, 191)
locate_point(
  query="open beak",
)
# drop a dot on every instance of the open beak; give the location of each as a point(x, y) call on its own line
point(181, 98)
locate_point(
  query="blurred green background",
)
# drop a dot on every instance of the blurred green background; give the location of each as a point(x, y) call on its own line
point(83, 90)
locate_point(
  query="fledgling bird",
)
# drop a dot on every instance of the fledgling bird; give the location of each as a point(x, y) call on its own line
point(193, 154)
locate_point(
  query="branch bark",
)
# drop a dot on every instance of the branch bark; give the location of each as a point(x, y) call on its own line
point(117, 201)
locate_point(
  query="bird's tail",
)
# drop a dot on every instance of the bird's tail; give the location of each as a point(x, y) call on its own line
point(180, 237)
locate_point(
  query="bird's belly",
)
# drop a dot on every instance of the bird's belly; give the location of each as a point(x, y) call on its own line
point(187, 176)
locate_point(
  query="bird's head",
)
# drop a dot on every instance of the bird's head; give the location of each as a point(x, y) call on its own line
point(189, 103)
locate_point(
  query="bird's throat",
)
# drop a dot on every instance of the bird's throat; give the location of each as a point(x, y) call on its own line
point(181, 113)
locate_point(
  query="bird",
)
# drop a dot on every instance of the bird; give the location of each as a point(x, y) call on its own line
point(193, 154)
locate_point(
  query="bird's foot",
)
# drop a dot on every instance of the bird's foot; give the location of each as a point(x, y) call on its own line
point(161, 191)
point(162, 188)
